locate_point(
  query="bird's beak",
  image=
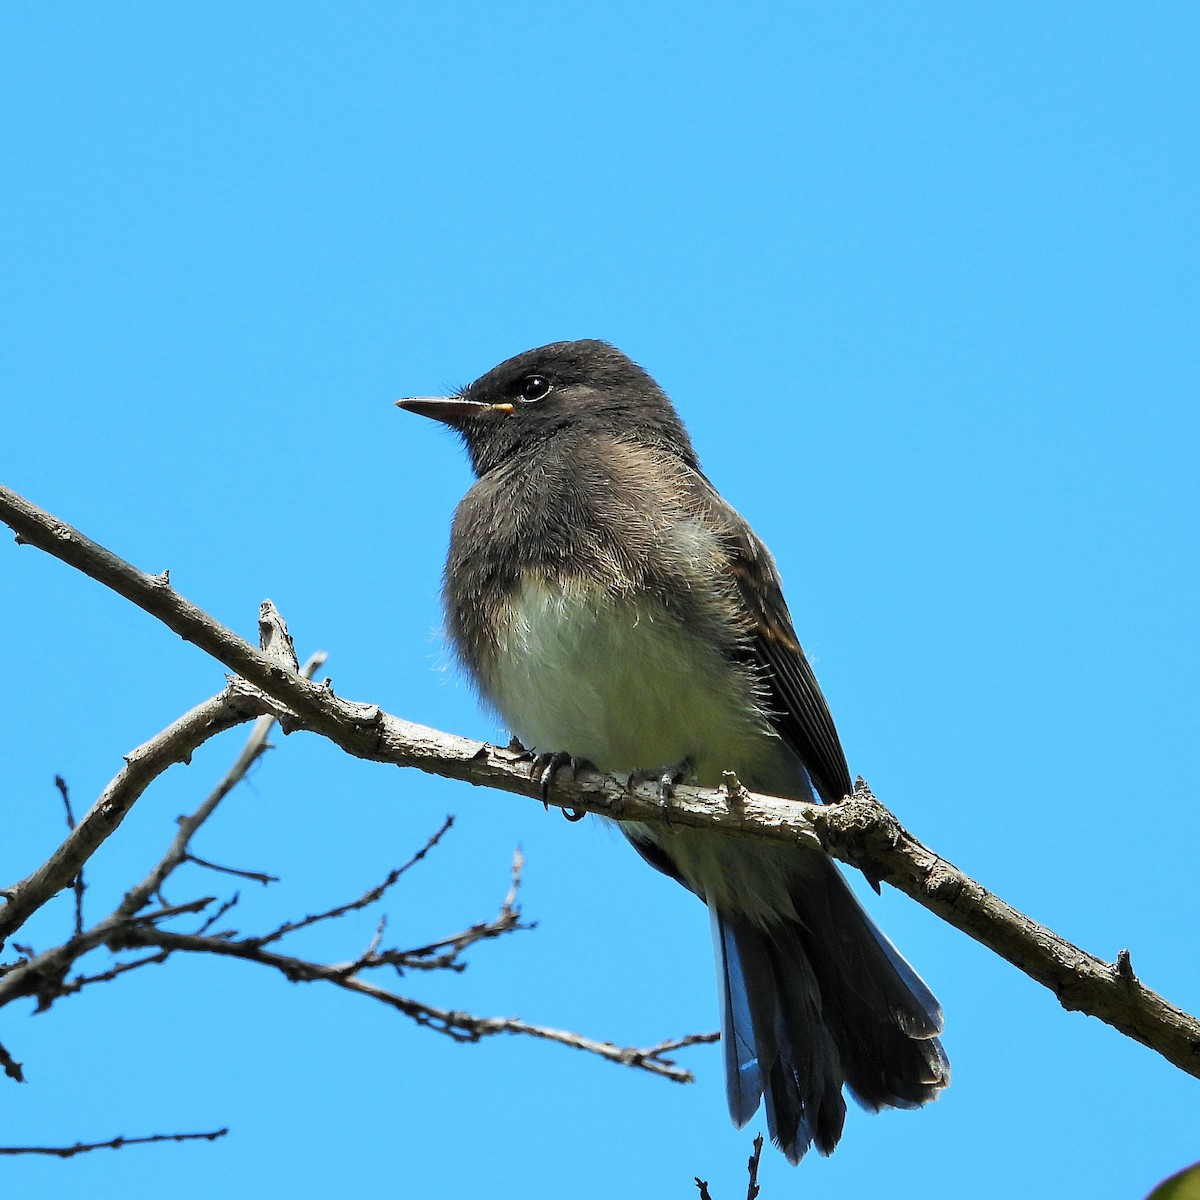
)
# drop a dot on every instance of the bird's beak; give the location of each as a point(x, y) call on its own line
point(450, 410)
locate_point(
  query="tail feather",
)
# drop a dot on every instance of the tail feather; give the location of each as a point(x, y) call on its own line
point(775, 1042)
point(743, 1078)
point(813, 1003)
point(880, 1014)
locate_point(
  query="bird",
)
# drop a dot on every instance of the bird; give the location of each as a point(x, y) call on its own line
point(614, 610)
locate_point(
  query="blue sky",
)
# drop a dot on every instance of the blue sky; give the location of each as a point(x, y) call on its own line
point(923, 281)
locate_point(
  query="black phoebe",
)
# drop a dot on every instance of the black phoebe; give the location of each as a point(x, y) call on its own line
point(612, 607)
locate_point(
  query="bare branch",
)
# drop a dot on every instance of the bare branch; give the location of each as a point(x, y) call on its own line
point(116, 1143)
point(256, 745)
point(44, 975)
point(154, 594)
point(445, 954)
point(174, 744)
point(70, 986)
point(859, 831)
point(752, 1188)
point(459, 1026)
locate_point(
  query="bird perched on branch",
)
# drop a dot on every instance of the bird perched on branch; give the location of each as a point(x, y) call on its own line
point(616, 611)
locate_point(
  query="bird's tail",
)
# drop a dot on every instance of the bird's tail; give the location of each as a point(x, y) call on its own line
point(808, 1005)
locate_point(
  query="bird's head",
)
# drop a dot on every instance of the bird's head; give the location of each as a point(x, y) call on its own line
point(565, 388)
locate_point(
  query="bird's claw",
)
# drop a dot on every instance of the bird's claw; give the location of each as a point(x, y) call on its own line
point(543, 769)
point(665, 779)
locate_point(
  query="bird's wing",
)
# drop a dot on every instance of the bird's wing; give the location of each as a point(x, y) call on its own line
point(796, 708)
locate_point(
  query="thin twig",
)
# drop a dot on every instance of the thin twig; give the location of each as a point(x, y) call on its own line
point(459, 1026)
point(78, 982)
point(216, 915)
point(362, 901)
point(117, 1143)
point(444, 954)
point(77, 882)
point(61, 784)
point(256, 876)
point(752, 1188)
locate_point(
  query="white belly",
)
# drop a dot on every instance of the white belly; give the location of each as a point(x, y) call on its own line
point(579, 673)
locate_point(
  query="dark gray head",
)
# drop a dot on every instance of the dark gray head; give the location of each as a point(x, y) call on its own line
point(561, 390)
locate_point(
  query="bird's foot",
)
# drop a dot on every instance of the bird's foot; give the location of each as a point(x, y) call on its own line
point(665, 778)
point(543, 770)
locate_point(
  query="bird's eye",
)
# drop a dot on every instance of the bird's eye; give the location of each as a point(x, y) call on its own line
point(534, 387)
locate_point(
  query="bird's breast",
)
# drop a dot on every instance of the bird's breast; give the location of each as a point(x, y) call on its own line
point(618, 681)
